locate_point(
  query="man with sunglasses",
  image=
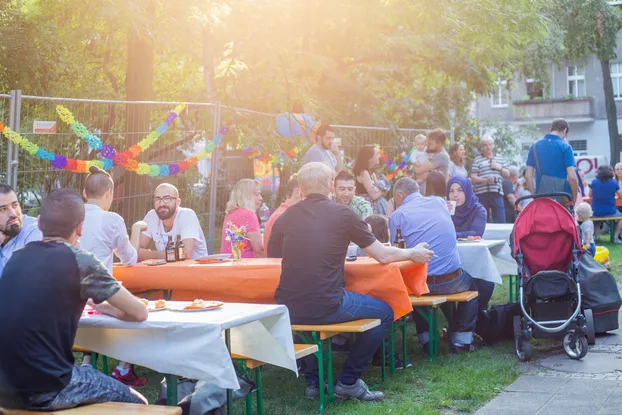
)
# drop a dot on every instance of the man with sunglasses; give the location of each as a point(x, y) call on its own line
point(169, 219)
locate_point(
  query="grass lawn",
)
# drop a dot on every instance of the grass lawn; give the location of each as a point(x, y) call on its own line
point(452, 384)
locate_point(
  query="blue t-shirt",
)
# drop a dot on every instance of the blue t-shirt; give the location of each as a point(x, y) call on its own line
point(604, 197)
point(554, 157)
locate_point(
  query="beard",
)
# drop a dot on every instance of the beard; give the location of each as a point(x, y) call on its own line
point(13, 229)
point(166, 212)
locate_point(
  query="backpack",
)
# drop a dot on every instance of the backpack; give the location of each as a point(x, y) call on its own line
point(496, 324)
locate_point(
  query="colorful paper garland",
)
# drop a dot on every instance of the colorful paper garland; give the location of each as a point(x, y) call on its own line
point(82, 166)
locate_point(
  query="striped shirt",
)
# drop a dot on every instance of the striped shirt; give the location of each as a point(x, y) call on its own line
point(481, 167)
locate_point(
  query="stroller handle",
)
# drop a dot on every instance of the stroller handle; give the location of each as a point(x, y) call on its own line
point(547, 195)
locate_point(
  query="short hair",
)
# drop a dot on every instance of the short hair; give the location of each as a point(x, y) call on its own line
point(584, 211)
point(486, 138)
point(406, 186)
point(513, 171)
point(345, 176)
point(379, 227)
point(292, 185)
point(323, 129)
point(97, 183)
point(419, 138)
point(435, 184)
point(438, 135)
point(5, 188)
point(315, 177)
point(242, 195)
point(453, 151)
point(604, 173)
point(61, 213)
point(559, 125)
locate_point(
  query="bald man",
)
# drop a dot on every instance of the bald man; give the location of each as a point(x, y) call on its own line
point(168, 218)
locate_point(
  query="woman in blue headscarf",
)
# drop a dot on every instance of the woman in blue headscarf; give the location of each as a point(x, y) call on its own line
point(470, 217)
point(469, 220)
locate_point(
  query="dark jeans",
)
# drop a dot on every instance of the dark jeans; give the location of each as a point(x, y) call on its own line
point(484, 290)
point(465, 316)
point(493, 202)
point(353, 307)
point(87, 386)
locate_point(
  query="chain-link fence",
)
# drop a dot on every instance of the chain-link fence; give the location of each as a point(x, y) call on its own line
point(123, 124)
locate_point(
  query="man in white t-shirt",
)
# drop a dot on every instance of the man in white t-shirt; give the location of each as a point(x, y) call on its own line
point(104, 233)
point(169, 219)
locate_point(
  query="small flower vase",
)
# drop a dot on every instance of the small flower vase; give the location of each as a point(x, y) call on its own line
point(236, 252)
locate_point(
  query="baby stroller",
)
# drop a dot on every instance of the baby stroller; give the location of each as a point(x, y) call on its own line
point(547, 249)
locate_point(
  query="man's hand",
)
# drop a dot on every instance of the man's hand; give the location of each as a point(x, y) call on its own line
point(421, 254)
point(139, 226)
point(334, 147)
point(494, 165)
point(490, 180)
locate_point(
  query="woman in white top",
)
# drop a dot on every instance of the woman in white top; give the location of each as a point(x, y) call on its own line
point(457, 155)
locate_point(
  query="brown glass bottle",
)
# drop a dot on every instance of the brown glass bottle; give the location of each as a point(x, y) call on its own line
point(398, 242)
point(170, 250)
point(180, 255)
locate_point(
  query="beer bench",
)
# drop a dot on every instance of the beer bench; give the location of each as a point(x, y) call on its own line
point(107, 408)
point(611, 221)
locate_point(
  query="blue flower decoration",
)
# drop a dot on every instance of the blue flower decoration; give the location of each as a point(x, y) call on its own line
point(94, 142)
point(107, 164)
point(164, 170)
point(162, 128)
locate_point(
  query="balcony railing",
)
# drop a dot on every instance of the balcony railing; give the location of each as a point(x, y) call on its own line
point(577, 108)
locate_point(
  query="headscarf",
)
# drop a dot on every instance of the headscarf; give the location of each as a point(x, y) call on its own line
point(464, 212)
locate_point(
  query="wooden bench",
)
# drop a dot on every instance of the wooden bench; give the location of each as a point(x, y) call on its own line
point(611, 221)
point(453, 300)
point(432, 302)
point(300, 351)
point(108, 408)
point(321, 332)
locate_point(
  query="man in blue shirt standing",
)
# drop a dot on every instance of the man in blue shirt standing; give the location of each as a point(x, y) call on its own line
point(16, 230)
point(552, 161)
point(427, 220)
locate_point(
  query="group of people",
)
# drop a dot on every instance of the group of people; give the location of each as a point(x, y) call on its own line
point(53, 266)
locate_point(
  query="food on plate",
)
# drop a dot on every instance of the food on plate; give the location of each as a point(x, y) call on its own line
point(471, 238)
point(199, 304)
point(160, 304)
point(144, 301)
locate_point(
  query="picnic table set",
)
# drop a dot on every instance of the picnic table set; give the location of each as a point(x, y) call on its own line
point(198, 344)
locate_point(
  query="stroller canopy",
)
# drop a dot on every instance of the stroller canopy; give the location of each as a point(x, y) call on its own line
point(546, 233)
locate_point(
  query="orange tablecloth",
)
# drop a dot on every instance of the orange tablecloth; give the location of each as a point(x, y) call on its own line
point(255, 280)
point(618, 201)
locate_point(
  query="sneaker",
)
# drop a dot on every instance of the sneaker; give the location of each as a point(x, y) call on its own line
point(464, 348)
point(313, 392)
point(130, 379)
point(358, 391)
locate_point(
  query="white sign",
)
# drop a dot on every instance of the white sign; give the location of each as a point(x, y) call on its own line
point(44, 127)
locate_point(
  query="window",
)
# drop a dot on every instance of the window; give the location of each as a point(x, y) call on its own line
point(616, 79)
point(578, 145)
point(576, 81)
point(500, 95)
point(535, 89)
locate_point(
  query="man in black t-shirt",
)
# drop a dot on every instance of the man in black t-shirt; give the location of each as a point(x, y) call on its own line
point(43, 291)
point(312, 237)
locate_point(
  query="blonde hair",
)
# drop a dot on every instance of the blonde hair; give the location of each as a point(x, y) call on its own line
point(584, 211)
point(419, 138)
point(615, 174)
point(315, 177)
point(242, 195)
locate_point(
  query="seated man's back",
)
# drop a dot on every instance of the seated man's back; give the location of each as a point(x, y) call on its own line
point(312, 237)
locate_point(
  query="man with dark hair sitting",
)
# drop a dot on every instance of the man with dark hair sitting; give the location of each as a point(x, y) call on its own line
point(345, 189)
point(16, 229)
point(44, 289)
point(103, 234)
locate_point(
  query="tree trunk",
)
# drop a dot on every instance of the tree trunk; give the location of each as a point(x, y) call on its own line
point(612, 116)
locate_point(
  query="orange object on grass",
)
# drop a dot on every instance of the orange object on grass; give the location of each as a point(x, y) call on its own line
point(254, 280)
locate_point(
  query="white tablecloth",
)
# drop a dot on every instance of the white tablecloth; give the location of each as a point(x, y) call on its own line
point(192, 344)
point(501, 231)
point(487, 260)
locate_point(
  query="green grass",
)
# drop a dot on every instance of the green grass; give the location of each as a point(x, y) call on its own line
point(452, 384)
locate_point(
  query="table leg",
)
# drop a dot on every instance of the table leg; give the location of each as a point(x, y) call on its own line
point(383, 367)
point(404, 354)
point(392, 350)
point(171, 390)
point(229, 391)
point(259, 383)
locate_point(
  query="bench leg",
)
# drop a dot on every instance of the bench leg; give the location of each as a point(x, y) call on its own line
point(392, 350)
point(94, 360)
point(612, 230)
point(171, 390)
point(105, 364)
point(259, 383)
point(249, 401)
point(383, 367)
point(404, 347)
point(329, 369)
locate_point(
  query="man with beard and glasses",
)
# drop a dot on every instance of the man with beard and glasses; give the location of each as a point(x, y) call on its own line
point(169, 219)
point(16, 230)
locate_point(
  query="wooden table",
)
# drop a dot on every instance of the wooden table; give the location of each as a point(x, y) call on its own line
point(254, 280)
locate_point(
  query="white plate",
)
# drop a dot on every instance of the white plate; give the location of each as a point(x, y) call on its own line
point(183, 310)
point(153, 310)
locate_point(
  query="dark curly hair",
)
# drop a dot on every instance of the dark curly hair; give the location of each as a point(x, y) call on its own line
point(604, 173)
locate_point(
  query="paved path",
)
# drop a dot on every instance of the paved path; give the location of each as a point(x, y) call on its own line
point(559, 385)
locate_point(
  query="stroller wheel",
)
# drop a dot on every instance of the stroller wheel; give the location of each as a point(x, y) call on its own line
point(523, 348)
point(589, 322)
point(574, 346)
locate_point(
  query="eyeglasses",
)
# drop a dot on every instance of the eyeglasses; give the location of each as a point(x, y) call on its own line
point(164, 199)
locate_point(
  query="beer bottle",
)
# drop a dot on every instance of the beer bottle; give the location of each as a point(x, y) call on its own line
point(398, 242)
point(179, 250)
point(170, 250)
